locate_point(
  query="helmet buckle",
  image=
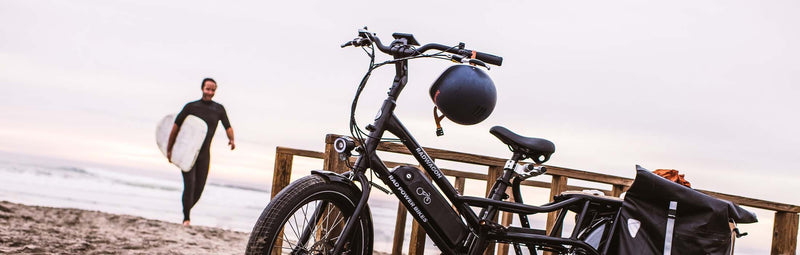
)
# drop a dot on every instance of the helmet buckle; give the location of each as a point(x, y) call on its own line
point(438, 119)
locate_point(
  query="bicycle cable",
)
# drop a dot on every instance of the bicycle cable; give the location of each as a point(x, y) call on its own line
point(355, 131)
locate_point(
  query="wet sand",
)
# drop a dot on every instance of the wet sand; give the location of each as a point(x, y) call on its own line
point(26, 229)
point(44, 230)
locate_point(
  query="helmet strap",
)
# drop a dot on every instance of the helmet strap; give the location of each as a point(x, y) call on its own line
point(438, 120)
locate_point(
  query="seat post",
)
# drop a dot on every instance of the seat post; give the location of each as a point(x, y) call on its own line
point(503, 182)
point(508, 171)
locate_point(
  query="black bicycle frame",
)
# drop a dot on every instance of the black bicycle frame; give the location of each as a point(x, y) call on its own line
point(387, 121)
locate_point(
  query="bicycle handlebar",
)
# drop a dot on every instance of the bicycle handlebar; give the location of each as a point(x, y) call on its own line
point(403, 50)
point(485, 57)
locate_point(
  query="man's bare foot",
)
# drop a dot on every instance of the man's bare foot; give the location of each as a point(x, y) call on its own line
point(186, 223)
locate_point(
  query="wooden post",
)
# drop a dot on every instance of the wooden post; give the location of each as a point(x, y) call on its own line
point(417, 243)
point(617, 190)
point(416, 246)
point(282, 174)
point(784, 233)
point(459, 185)
point(508, 218)
point(399, 230)
point(491, 178)
point(558, 185)
point(331, 161)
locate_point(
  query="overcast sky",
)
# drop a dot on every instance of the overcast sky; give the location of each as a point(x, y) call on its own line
point(706, 87)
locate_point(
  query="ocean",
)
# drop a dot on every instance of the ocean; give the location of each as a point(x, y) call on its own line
point(119, 192)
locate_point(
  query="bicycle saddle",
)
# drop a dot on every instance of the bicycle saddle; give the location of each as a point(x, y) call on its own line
point(534, 148)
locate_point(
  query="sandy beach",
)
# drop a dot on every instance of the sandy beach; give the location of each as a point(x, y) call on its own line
point(43, 230)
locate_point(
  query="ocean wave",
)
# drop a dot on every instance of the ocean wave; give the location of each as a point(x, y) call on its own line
point(66, 171)
point(233, 186)
point(73, 169)
point(146, 185)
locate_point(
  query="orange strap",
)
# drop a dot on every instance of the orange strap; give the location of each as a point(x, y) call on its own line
point(473, 56)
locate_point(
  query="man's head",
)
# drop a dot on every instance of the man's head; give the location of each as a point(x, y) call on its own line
point(209, 87)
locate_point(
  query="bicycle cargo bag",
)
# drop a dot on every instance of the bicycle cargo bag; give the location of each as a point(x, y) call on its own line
point(662, 217)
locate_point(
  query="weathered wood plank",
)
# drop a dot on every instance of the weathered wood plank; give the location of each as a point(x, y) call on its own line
point(559, 185)
point(617, 190)
point(757, 203)
point(331, 160)
point(784, 233)
point(459, 185)
point(281, 176)
point(282, 173)
point(299, 152)
point(416, 246)
point(399, 229)
point(435, 153)
point(494, 173)
point(507, 218)
point(588, 176)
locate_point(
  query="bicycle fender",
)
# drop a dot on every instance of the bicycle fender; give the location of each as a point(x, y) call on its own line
point(330, 176)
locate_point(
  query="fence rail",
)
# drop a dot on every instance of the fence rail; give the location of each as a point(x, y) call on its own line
point(785, 228)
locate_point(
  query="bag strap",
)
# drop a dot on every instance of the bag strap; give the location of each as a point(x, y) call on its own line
point(673, 211)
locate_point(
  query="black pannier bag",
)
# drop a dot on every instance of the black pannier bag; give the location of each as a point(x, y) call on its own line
point(663, 217)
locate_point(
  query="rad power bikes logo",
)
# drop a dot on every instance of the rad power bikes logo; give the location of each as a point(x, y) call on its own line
point(421, 192)
point(410, 202)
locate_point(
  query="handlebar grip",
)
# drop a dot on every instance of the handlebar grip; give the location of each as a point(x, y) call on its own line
point(489, 58)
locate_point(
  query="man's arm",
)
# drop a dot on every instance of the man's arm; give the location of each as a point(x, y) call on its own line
point(172, 135)
point(229, 132)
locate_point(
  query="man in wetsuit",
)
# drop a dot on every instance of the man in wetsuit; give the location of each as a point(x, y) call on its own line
point(212, 113)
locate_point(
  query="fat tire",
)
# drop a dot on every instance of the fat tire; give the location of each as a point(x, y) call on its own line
point(299, 193)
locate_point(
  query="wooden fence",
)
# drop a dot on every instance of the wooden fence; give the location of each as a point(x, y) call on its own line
point(785, 228)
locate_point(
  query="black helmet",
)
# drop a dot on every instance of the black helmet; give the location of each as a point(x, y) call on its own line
point(465, 94)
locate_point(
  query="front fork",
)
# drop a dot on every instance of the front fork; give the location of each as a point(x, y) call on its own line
point(365, 190)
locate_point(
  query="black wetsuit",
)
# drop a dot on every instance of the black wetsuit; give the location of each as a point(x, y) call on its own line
point(195, 180)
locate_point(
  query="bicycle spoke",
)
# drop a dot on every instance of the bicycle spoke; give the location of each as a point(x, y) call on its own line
point(307, 224)
point(334, 224)
point(292, 226)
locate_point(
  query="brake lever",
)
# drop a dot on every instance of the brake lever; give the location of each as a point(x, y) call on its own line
point(358, 42)
point(466, 60)
point(480, 63)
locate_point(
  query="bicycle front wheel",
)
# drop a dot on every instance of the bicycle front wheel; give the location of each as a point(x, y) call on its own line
point(307, 217)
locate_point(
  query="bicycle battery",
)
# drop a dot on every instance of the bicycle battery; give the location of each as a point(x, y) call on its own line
point(427, 205)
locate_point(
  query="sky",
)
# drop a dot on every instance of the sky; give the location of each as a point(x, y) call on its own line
point(706, 87)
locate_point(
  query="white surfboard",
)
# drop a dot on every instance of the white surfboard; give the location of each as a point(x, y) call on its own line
point(188, 142)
